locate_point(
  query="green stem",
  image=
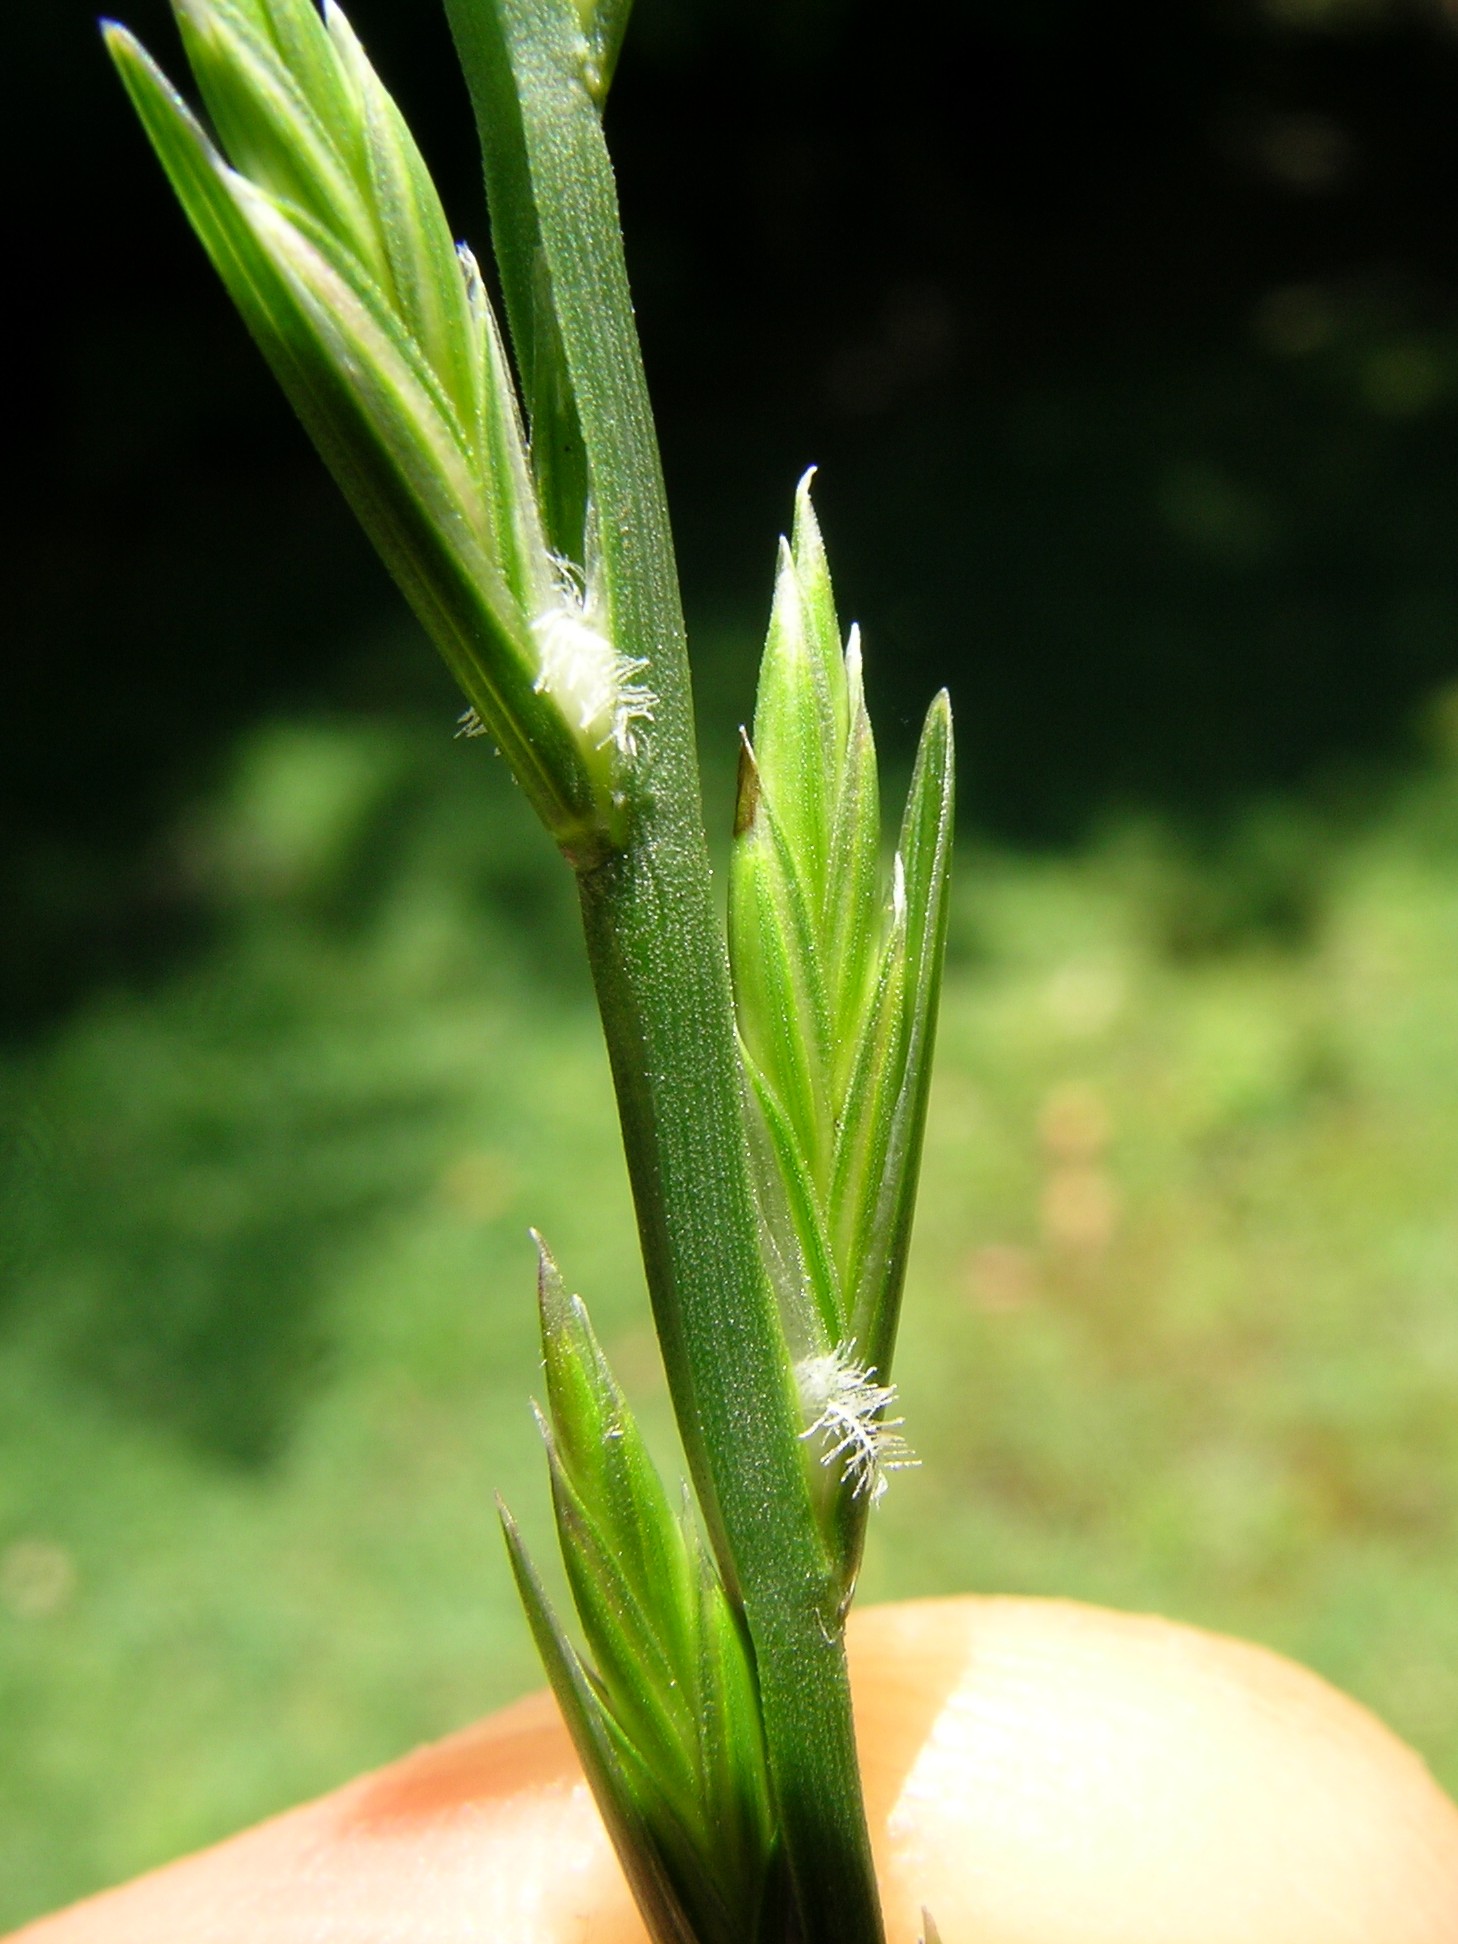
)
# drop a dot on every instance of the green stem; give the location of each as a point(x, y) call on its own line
point(663, 992)
point(659, 964)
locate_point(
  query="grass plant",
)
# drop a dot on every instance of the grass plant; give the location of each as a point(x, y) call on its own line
point(295, 1159)
point(1179, 1320)
point(1179, 1328)
point(772, 1136)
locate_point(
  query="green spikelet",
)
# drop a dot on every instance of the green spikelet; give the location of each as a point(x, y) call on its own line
point(836, 978)
point(663, 1709)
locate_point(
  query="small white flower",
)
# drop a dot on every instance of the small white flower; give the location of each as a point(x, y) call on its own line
point(847, 1409)
point(583, 672)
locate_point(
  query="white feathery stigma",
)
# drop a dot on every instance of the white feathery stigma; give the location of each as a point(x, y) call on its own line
point(584, 673)
point(847, 1408)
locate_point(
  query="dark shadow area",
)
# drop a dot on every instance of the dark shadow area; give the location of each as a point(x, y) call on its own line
point(1125, 341)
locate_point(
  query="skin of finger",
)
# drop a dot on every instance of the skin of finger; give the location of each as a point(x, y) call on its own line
point(1037, 1772)
point(1048, 1773)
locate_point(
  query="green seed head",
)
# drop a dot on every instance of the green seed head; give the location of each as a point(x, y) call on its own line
point(836, 969)
point(663, 1708)
point(321, 217)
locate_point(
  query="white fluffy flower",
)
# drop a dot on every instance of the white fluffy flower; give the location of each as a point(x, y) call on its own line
point(585, 675)
point(847, 1409)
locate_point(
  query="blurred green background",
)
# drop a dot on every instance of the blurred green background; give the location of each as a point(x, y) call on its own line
point(1128, 347)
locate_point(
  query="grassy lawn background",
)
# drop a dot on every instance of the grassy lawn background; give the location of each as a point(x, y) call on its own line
point(1181, 1331)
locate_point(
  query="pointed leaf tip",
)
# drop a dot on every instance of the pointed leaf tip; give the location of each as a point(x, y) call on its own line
point(805, 529)
point(551, 1290)
point(604, 23)
point(746, 791)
